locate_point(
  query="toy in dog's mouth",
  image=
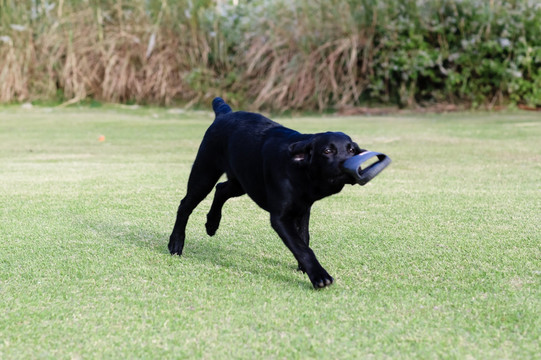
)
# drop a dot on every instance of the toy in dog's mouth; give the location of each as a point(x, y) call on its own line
point(353, 166)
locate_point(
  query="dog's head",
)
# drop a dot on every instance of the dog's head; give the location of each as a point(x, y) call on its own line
point(323, 155)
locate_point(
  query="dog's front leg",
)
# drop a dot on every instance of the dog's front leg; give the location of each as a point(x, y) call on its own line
point(287, 229)
point(302, 224)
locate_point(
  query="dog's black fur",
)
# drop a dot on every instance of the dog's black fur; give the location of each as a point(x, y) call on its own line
point(282, 170)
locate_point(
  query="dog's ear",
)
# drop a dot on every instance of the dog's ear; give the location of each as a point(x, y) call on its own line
point(301, 151)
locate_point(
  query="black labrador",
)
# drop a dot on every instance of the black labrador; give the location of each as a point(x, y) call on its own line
point(282, 170)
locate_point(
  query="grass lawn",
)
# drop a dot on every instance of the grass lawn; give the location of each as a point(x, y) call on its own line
point(438, 257)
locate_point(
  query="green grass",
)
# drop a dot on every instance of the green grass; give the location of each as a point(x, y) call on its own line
point(438, 257)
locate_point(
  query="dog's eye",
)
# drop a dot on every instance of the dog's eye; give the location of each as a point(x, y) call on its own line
point(328, 151)
point(351, 150)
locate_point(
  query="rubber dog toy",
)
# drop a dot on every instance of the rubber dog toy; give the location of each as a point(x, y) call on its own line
point(353, 166)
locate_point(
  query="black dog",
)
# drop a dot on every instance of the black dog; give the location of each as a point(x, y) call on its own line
point(282, 170)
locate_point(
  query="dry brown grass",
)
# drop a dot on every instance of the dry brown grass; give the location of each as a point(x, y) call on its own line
point(13, 79)
point(84, 54)
point(279, 55)
point(82, 57)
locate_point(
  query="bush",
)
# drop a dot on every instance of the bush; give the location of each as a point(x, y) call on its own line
point(279, 55)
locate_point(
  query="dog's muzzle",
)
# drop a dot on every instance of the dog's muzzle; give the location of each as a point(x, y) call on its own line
point(353, 166)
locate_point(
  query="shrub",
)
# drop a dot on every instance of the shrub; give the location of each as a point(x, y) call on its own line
point(280, 55)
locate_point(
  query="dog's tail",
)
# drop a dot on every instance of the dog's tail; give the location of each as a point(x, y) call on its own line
point(220, 107)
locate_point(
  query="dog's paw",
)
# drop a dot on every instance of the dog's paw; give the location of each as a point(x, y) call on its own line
point(211, 227)
point(175, 245)
point(321, 279)
point(175, 250)
point(213, 222)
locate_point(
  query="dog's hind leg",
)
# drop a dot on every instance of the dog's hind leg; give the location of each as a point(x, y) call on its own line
point(224, 191)
point(202, 179)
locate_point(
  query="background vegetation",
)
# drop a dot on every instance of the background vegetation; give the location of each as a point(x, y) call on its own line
point(279, 54)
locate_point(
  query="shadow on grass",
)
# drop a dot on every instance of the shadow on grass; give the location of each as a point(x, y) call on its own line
point(207, 250)
point(215, 253)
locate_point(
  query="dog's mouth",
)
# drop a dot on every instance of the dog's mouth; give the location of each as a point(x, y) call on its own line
point(342, 178)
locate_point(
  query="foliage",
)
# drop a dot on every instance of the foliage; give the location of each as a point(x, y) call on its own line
point(281, 55)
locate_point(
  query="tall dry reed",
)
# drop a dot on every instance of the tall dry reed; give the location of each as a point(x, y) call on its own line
point(280, 55)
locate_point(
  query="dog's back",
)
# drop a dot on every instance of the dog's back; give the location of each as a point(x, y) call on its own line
point(239, 120)
point(236, 139)
point(237, 132)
